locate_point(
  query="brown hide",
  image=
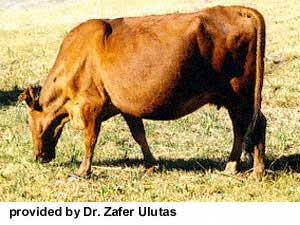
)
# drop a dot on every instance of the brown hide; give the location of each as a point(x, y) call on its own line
point(157, 67)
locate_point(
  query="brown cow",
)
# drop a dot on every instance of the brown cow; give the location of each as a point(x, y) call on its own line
point(158, 67)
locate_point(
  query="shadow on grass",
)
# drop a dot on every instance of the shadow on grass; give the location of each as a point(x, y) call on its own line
point(285, 163)
point(194, 164)
point(11, 97)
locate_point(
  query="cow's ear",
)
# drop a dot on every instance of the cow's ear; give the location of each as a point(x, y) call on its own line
point(28, 96)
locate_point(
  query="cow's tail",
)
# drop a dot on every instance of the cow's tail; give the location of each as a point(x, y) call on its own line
point(254, 126)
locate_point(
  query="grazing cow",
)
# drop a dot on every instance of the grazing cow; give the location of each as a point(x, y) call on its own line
point(159, 67)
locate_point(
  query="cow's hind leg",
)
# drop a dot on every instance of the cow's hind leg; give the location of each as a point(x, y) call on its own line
point(240, 120)
point(137, 130)
point(256, 139)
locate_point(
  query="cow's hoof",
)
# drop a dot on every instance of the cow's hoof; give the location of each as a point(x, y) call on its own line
point(148, 164)
point(153, 168)
point(258, 173)
point(76, 177)
point(42, 159)
point(45, 160)
point(231, 168)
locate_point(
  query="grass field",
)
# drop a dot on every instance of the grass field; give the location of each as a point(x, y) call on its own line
point(192, 150)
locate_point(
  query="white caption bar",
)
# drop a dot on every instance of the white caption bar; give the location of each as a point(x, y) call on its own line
point(149, 213)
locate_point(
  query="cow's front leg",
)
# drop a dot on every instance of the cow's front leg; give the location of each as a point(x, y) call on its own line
point(91, 131)
point(137, 130)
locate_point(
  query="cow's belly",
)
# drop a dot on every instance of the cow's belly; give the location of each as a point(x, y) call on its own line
point(170, 106)
point(164, 99)
point(180, 108)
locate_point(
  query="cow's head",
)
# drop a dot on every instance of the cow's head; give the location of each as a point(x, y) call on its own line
point(45, 128)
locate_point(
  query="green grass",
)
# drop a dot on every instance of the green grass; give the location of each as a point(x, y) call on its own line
point(192, 150)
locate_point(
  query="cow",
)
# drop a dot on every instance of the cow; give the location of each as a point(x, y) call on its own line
point(158, 67)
